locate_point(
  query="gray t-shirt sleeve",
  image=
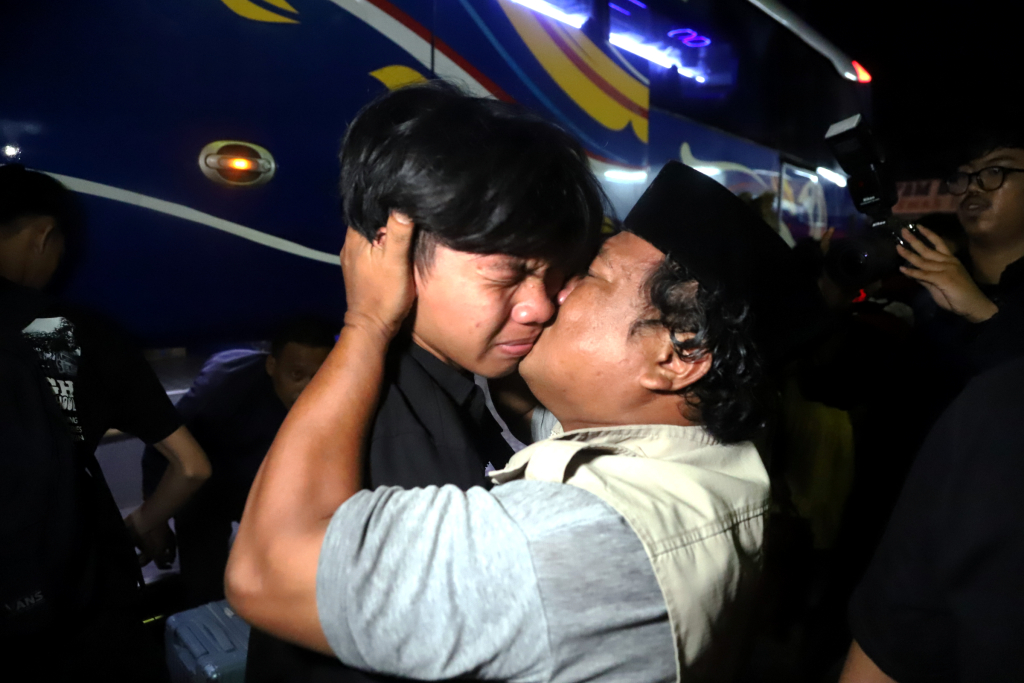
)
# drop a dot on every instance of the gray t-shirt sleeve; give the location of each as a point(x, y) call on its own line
point(532, 581)
point(431, 583)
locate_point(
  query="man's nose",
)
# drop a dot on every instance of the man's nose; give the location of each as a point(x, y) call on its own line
point(534, 306)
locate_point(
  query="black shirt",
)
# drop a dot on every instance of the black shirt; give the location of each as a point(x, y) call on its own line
point(100, 382)
point(432, 428)
point(234, 413)
point(969, 348)
point(943, 599)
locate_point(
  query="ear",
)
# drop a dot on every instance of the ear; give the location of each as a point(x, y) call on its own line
point(271, 364)
point(42, 230)
point(664, 371)
point(379, 237)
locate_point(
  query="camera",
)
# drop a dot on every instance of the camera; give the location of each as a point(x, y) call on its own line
point(857, 261)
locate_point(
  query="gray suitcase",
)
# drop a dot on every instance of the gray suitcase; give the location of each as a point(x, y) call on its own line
point(208, 643)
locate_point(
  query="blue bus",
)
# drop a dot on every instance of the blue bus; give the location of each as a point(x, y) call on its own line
point(202, 135)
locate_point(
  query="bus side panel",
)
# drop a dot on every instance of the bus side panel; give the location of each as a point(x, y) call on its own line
point(119, 99)
point(550, 67)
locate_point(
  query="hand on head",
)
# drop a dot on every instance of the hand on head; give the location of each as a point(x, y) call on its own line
point(379, 285)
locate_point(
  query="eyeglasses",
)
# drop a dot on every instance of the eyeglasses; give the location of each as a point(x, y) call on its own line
point(987, 179)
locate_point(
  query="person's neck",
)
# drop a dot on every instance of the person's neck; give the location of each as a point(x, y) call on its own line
point(418, 341)
point(10, 266)
point(651, 415)
point(990, 260)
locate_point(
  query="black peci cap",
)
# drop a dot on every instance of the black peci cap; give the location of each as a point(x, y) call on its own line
point(728, 248)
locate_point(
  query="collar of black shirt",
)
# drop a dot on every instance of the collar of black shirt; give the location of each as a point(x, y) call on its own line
point(1010, 281)
point(455, 382)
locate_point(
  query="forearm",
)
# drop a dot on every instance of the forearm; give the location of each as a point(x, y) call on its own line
point(313, 466)
point(188, 470)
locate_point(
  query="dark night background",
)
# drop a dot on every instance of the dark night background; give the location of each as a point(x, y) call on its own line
point(938, 67)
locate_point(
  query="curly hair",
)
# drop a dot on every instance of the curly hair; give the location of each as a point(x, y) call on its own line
point(730, 396)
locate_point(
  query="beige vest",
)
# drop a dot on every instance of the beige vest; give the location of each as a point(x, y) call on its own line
point(697, 506)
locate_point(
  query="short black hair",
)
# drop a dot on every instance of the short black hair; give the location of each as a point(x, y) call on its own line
point(979, 140)
point(731, 396)
point(474, 174)
point(25, 193)
point(306, 330)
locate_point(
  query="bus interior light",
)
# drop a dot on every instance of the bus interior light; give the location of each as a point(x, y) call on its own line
point(619, 176)
point(862, 74)
point(831, 176)
point(549, 10)
point(626, 42)
point(241, 164)
point(806, 174)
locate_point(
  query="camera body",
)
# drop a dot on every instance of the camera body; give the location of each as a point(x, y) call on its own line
point(857, 261)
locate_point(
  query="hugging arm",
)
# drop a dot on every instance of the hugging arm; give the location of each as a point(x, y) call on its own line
point(314, 464)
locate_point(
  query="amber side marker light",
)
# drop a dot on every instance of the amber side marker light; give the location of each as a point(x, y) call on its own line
point(236, 163)
point(862, 74)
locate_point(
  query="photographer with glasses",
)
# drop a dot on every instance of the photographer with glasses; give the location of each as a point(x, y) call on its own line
point(941, 598)
point(976, 314)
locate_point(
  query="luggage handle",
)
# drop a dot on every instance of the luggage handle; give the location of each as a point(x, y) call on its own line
point(186, 637)
point(220, 637)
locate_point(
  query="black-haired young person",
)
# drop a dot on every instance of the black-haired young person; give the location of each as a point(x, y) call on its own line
point(234, 409)
point(624, 548)
point(100, 382)
point(507, 206)
point(976, 319)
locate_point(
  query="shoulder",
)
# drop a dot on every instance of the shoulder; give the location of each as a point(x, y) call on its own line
point(534, 569)
point(985, 417)
point(234, 371)
point(236, 365)
point(604, 607)
point(403, 572)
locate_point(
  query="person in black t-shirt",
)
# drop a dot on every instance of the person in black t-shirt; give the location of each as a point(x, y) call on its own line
point(943, 599)
point(99, 382)
point(234, 409)
point(506, 207)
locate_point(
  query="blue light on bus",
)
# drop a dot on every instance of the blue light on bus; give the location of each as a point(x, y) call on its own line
point(689, 37)
point(619, 9)
point(657, 54)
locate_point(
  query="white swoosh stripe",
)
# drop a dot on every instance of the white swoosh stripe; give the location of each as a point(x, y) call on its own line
point(407, 39)
point(189, 214)
point(398, 32)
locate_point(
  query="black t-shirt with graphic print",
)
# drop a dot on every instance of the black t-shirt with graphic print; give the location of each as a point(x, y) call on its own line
point(100, 382)
point(98, 378)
